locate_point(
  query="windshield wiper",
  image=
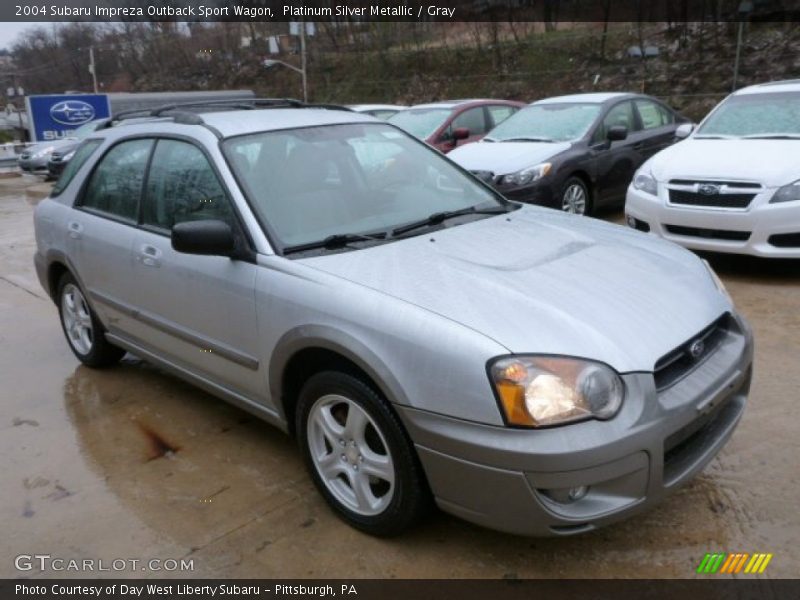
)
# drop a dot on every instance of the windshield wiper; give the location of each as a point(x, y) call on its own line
point(772, 136)
point(337, 240)
point(528, 139)
point(440, 217)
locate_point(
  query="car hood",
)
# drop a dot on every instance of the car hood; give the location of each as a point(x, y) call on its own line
point(541, 281)
point(502, 158)
point(771, 162)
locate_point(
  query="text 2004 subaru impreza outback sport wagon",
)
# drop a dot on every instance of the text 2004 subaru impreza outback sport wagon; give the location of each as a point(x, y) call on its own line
point(423, 338)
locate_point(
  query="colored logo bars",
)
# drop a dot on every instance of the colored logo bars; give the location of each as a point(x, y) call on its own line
point(742, 562)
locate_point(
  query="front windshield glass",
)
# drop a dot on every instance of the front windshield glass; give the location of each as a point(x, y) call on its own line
point(562, 122)
point(420, 122)
point(755, 115)
point(311, 183)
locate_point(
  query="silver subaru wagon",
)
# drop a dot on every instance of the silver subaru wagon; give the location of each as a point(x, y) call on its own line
point(423, 338)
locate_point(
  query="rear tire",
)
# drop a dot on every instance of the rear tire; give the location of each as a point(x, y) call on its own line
point(83, 330)
point(575, 197)
point(359, 456)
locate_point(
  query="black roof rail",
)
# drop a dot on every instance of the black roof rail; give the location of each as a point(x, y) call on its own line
point(187, 116)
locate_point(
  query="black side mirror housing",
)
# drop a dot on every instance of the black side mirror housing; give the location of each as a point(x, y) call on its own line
point(617, 133)
point(209, 238)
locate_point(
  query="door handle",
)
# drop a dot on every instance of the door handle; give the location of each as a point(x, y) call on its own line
point(149, 256)
point(638, 145)
point(75, 230)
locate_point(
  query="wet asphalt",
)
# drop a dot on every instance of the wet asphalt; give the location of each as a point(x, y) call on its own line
point(132, 463)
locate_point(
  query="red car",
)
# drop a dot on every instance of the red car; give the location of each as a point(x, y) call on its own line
point(451, 123)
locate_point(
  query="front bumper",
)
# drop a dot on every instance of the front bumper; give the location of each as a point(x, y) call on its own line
point(705, 228)
point(33, 165)
point(506, 479)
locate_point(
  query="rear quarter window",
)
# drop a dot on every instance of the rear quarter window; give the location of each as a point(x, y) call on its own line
point(82, 154)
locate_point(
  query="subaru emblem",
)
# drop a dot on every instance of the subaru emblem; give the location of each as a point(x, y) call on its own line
point(72, 112)
point(708, 189)
point(696, 349)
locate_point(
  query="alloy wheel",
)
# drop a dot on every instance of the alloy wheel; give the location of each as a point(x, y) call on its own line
point(77, 319)
point(574, 199)
point(351, 455)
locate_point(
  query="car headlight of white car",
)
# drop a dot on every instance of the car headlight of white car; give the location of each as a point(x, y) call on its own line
point(528, 175)
point(645, 182)
point(68, 156)
point(44, 152)
point(541, 391)
point(787, 193)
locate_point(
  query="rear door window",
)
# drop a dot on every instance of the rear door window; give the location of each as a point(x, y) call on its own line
point(653, 115)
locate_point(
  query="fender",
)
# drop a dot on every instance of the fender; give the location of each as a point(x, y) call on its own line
point(329, 338)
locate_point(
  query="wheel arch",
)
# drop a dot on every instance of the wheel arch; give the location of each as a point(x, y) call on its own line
point(306, 350)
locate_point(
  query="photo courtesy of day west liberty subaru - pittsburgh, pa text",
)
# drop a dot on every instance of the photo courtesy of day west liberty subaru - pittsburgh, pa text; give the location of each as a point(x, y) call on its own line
point(203, 11)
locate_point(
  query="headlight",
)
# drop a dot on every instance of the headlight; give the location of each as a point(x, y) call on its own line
point(645, 183)
point(717, 281)
point(528, 175)
point(537, 391)
point(68, 156)
point(787, 193)
point(44, 152)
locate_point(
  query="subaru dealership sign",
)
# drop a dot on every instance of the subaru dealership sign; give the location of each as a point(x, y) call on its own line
point(57, 116)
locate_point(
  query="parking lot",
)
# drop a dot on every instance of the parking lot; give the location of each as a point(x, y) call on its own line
point(131, 463)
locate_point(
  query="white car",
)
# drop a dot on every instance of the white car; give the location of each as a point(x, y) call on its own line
point(733, 185)
point(381, 111)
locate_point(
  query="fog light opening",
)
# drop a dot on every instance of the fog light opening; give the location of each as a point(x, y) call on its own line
point(566, 495)
point(631, 221)
point(577, 493)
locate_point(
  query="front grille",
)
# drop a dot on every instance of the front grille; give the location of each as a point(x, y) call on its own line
point(688, 198)
point(678, 363)
point(745, 185)
point(709, 234)
point(785, 240)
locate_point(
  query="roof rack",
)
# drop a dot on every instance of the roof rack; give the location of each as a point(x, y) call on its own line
point(178, 112)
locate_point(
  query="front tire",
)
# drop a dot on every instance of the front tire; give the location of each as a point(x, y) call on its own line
point(359, 456)
point(83, 330)
point(575, 197)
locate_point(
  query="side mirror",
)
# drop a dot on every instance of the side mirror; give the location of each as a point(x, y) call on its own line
point(460, 133)
point(617, 133)
point(684, 130)
point(210, 238)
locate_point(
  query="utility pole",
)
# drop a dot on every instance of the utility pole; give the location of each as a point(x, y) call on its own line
point(92, 69)
point(303, 59)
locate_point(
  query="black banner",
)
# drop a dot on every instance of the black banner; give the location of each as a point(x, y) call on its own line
point(713, 588)
point(397, 10)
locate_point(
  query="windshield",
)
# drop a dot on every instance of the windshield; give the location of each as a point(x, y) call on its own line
point(311, 183)
point(755, 115)
point(420, 122)
point(561, 122)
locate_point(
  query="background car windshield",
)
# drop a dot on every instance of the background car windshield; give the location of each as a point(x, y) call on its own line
point(310, 183)
point(755, 114)
point(557, 122)
point(84, 130)
point(422, 122)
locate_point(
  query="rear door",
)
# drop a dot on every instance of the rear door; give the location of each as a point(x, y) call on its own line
point(197, 311)
point(102, 229)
